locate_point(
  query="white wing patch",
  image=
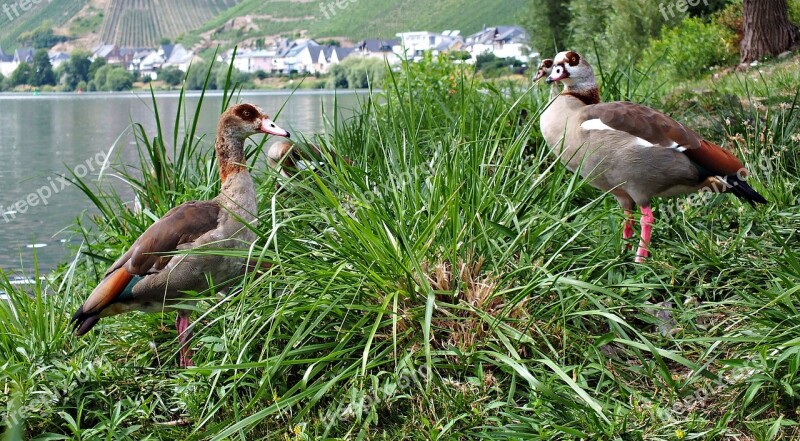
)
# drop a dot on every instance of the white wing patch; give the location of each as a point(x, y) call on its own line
point(677, 147)
point(597, 124)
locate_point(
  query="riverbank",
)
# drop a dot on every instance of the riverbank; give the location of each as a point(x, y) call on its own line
point(454, 282)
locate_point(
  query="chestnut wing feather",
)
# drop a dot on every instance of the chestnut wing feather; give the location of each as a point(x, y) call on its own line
point(661, 130)
point(180, 225)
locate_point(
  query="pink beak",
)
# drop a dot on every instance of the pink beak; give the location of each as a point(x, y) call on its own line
point(269, 127)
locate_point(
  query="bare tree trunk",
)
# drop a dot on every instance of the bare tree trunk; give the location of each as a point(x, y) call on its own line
point(767, 29)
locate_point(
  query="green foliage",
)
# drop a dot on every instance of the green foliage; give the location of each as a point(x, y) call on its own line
point(77, 69)
point(690, 49)
point(547, 23)
point(454, 282)
point(171, 75)
point(90, 21)
point(42, 37)
point(490, 66)
point(111, 78)
point(42, 74)
point(97, 63)
point(52, 13)
point(196, 77)
point(357, 73)
point(22, 75)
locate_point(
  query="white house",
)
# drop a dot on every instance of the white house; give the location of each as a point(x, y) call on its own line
point(175, 55)
point(413, 44)
point(502, 41)
point(252, 61)
point(383, 49)
point(7, 64)
point(58, 58)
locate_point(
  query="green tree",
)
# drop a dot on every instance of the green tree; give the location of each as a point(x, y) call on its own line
point(111, 78)
point(43, 74)
point(222, 75)
point(77, 69)
point(337, 78)
point(171, 75)
point(197, 76)
point(21, 75)
point(42, 37)
point(118, 79)
point(547, 23)
point(97, 63)
point(3, 83)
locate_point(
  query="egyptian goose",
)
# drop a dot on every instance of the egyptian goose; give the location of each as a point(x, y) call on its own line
point(150, 275)
point(632, 151)
point(543, 71)
point(287, 158)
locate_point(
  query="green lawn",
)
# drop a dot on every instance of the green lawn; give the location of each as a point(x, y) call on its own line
point(455, 282)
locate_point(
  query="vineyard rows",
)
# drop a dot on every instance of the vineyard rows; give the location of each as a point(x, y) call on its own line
point(142, 23)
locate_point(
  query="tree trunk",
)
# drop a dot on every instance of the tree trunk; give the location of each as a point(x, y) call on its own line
point(767, 29)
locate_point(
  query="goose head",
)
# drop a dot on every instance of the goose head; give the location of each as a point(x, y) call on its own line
point(243, 120)
point(544, 69)
point(572, 70)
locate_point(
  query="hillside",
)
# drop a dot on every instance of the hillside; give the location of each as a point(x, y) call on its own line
point(226, 22)
point(145, 22)
point(15, 21)
point(357, 20)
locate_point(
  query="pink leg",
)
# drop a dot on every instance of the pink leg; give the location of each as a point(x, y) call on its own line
point(184, 335)
point(647, 228)
point(627, 229)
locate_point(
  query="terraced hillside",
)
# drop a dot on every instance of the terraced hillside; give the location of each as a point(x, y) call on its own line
point(227, 22)
point(16, 21)
point(145, 22)
point(358, 18)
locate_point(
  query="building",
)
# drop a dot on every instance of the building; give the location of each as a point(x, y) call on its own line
point(252, 61)
point(108, 52)
point(414, 44)
point(385, 49)
point(58, 58)
point(7, 64)
point(502, 41)
point(175, 55)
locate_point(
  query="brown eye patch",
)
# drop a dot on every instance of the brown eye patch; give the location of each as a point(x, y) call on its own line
point(573, 58)
point(247, 112)
point(547, 63)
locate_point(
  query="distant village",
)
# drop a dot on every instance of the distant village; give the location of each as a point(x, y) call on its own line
point(302, 56)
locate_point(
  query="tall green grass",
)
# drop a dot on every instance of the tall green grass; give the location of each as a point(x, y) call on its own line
point(454, 282)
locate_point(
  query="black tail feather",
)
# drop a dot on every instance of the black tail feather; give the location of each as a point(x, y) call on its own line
point(82, 322)
point(742, 190)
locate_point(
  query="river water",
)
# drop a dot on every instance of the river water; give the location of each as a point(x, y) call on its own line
point(44, 136)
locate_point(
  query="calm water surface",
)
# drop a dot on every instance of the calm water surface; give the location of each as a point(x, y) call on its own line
point(42, 137)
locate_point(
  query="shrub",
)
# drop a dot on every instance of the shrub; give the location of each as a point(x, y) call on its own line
point(111, 78)
point(171, 76)
point(357, 73)
point(688, 50)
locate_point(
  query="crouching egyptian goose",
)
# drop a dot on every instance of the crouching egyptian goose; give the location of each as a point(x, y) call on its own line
point(150, 275)
point(543, 71)
point(287, 158)
point(633, 151)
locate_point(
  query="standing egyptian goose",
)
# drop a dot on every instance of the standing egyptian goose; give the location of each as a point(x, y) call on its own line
point(543, 71)
point(150, 275)
point(633, 151)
